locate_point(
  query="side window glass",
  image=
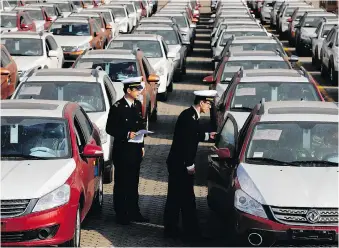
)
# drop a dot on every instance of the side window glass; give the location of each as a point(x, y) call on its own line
point(22, 20)
point(48, 46)
point(85, 123)
point(226, 138)
point(4, 59)
point(318, 28)
point(111, 89)
point(165, 48)
point(328, 38)
point(108, 93)
point(52, 43)
point(81, 141)
point(95, 27)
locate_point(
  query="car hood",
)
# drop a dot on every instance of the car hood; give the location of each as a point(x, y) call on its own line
point(308, 31)
point(156, 62)
point(285, 186)
point(65, 40)
point(5, 30)
point(28, 179)
point(25, 63)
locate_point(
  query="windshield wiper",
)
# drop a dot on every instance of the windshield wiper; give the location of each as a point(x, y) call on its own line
point(26, 156)
point(244, 109)
point(272, 161)
point(313, 163)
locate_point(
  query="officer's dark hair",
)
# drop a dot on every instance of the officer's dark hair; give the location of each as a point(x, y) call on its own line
point(197, 101)
point(125, 89)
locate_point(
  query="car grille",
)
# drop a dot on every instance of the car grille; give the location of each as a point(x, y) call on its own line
point(13, 208)
point(67, 48)
point(306, 216)
point(11, 237)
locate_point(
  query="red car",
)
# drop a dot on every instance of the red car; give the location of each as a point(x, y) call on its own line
point(38, 14)
point(17, 21)
point(52, 165)
point(248, 87)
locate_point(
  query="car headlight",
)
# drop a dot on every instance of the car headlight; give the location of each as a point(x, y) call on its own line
point(160, 71)
point(247, 204)
point(103, 136)
point(56, 198)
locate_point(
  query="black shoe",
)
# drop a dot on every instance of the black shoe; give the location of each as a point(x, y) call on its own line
point(123, 220)
point(139, 218)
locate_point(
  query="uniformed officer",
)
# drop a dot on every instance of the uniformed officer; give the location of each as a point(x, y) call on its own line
point(124, 120)
point(181, 168)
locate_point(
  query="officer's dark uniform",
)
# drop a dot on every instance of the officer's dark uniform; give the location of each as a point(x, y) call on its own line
point(127, 157)
point(180, 194)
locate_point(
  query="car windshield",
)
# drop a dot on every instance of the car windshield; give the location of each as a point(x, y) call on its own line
point(169, 36)
point(88, 95)
point(23, 46)
point(313, 144)
point(8, 21)
point(258, 64)
point(35, 14)
point(50, 10)
point(327, 28)
point(249, 94)
point(118, 12)
point(65, 7)
point(256, 47)
point(70, 29)
point(181, 21)
point(228, 34)
point(34, 138)
point(151, 49)
point(312, 22)
point(117, 69)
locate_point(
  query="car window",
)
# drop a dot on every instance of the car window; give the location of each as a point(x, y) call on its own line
point(318, 28)
point(108, 94)
point(50, 10)
point(8, 21)
point(329, 36)
point(147, 72)
point(164, 45)
point(70, 29)
point(181, 21)
point(47, 138)
point(65, 7)
point(130, 8)
point(255, 47)
point(79, 134)
point(326, 30)
point(257, 64)
point(151, 49)
point(226, 139)
point(52, 43)
point(36, 14)
point(86, 124)
point(23, 46)
point(336, 43)
point(118, 12)
point(228, 34)
point(96, 27)
point(5, 60)
point(170, 36)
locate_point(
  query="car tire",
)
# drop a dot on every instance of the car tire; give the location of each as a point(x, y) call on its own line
point(183, 69)
point(333, 75)
point(163, 96)
point(170, 87)
point(153, 116)
point(108, 175)
point(75, 241)
point(322, 70)
point(99, 198)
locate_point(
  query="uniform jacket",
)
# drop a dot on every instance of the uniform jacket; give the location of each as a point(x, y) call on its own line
point(187, 136)
point(123, 119)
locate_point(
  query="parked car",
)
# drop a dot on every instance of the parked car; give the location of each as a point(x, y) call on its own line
point(42, 20)
point(52, 158)
point(12, 21)
point(9, 74)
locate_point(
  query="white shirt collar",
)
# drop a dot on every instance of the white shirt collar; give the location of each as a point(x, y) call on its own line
point(129, 102)
point(196, 112)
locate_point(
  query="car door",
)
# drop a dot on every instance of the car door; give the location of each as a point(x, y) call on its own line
point(220, 170)
point(53, 62)
point(91, 168)
point(169, 62)
point(326, 47)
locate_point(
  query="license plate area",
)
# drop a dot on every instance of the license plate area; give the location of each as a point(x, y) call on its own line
point(299, 234)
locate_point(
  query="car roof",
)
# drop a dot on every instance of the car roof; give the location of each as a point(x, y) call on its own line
point(70, 19)
point(316, 111)
point(138, 37)
point(23, 34)
point(82, 14)
point(250, 28)
point(65, 75)
point(110, 53)
point(254, 57)
point(42, 4)
point(33, 108)
point(154, 27)
point(120, 6)
point(320, 14)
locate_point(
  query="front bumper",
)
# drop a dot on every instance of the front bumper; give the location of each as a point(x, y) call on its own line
point(272, 231)
point(25, 229)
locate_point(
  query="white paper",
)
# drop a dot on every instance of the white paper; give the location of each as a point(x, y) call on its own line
point(143, 131)
point(14, 139)
point(245, 92)
point(267, 134)
point(30, 90)
point(258, 154)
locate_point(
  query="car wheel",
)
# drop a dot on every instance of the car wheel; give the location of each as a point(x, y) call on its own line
point(75, 241)
point(322, 70)
point(108, 175)
point(331, 72)
point(154, 116)
point(163, 96)
point(183, 69)
point(99, 198)
point(170, 87)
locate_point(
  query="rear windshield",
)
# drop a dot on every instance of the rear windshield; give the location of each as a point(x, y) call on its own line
point(256, 47)
point(35, 14)
point(151, 49)
point(118, 12)
point(258, 64)
point(71, 29)
point(8, 21)
point(169, 36)
point(181, 21)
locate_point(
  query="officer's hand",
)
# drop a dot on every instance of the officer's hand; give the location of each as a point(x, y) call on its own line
point(143, 152)
point(212, 135)
point(132, 135)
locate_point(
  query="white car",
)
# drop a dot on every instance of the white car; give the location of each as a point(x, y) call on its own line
point(320, 34)
point(92, 89)
point(9, 21)
point(5, 6)
point(156, 51)
point(32, 51)
point(121, 17)
point(109, 17)
point(329, 55)
point(36, 14)
point(130, 11)
point(266, 11)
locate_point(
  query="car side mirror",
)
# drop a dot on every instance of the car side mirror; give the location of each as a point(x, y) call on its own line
point(223, 153)
point(330, 45)
point(153, 78)
point(49, 19)
point(52, 53)
point(209, 79)
point(4, 72)
point(92, 151)
point(294, 59)
point(23, 26)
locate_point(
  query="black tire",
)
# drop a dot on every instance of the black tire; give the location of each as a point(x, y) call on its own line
point(99, 198)
point(153, 116)
point(108, 175)
point(322, 70)
point(170, 87)
point(183, 69)
point(75, 241)
point(163, 96)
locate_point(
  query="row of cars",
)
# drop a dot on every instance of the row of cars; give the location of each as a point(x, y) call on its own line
point(59, 114)
point(313, 31)
point(273, 170)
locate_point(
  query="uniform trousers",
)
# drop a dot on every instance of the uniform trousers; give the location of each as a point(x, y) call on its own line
point(181, 198)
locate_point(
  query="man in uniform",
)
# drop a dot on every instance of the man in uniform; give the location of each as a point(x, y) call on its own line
point(124, 120)
point(181, 168)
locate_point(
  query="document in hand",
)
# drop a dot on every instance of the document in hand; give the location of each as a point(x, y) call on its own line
point(139, 138)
